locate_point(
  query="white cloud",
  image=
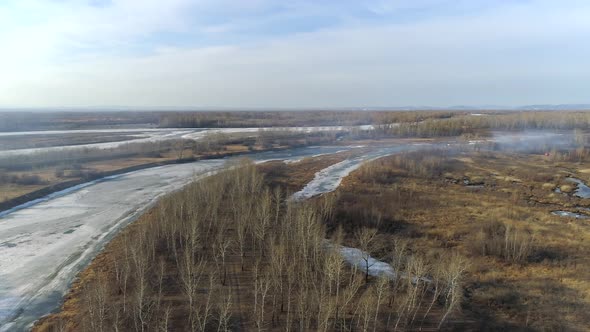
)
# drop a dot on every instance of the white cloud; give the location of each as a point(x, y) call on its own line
point(519, 54)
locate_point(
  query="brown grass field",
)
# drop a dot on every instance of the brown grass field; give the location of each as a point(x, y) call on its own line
point(427, 203)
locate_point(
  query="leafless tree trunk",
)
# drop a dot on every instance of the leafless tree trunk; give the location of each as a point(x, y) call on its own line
point(165, 320)
point(453, 292)
point(96, 303)
point(203, 311)
point(380, 289)
point(224, 310)
point(190, 272)
point(262, 284)
point(366, 239)
point(222, 246)
point(365, 310)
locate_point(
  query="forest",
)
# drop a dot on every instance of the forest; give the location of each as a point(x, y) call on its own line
point(232, 253)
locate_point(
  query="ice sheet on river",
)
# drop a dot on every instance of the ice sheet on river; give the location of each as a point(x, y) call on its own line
point(153, 135)
point(44, 245)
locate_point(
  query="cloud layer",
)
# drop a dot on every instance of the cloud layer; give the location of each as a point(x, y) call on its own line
point(263, 53)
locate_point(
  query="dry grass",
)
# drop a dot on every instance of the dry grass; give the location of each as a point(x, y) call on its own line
point(48, 175)
point(546, 289)
point(10, 191)
point(294, 176)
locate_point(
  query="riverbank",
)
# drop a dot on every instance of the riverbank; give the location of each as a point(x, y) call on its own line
point(60, 186)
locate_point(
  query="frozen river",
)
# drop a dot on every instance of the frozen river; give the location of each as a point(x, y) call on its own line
point(43, 246)
point(146, 136)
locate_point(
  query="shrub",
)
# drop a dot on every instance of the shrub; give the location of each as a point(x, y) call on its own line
point(59, 172)
point(566, 188)
point(29, 180)
point(504, 241)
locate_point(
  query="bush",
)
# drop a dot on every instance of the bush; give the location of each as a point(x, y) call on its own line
point(25, 180)
point(29, 180)
point(566, 188)
point(59, 172)
point(504, 241)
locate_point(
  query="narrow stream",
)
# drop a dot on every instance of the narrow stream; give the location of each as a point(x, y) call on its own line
point(582, 190)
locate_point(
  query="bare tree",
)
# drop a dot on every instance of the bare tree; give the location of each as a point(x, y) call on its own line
point(453, 274)
point(380, 290)
point(161, 271)
point(436, 286)
point(262, 284)
point(366, 239)
point(222, 246)
point(263, 219)
point(349, 293)
point(140, 266)
point(277, 268)
point(96, 303)
point(165, 321)
point(204, 310)
point(365, 309)
point(190, 273)
point(224, 312)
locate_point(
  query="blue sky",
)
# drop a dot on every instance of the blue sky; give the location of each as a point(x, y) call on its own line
point(265, 53)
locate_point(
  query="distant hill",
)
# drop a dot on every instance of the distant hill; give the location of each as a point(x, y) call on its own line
point(539, 107)
point(564, 107)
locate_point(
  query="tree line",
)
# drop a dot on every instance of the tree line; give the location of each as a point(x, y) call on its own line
point(465, 124)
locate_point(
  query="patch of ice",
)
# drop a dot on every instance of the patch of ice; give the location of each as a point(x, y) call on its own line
point(356, 257)
point(570, 214)
point(582, 190)
point(376, 268)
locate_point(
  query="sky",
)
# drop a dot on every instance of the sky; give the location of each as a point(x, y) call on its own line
point(293, 54)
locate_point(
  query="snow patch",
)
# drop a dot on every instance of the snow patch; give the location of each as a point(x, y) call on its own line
point(570, 214)
point(376, 268)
